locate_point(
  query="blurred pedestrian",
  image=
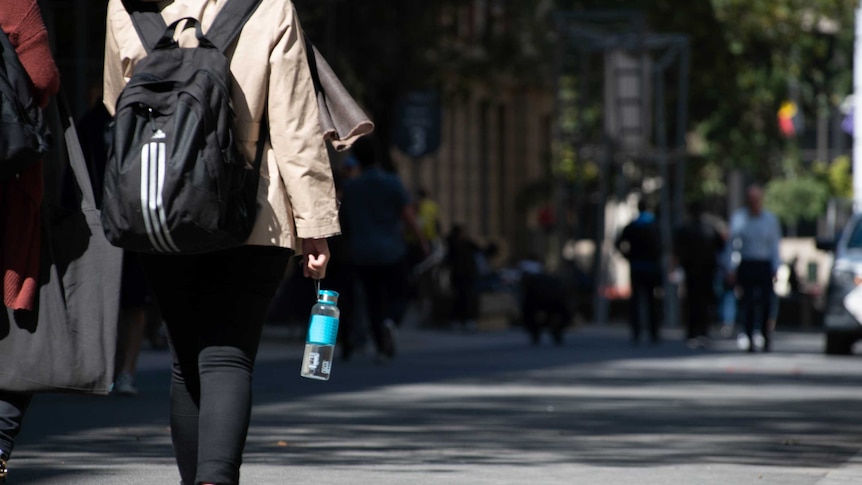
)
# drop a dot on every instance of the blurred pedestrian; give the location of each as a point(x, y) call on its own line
point(341, 276)
point(376, 209)
point(697, 246)
point(640, 244)
point(544, 301)
point(93, 133)
point(214, 304)
point(427, 216)
point(425, 266)
point(20, 200)
point(134, 303)
point(753, 261)
point(461, 257)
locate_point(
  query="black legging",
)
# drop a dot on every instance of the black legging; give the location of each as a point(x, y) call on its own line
point(12, 408)
point(214, 306)
point(700, 293)
point(643, 307)
point(755, 278)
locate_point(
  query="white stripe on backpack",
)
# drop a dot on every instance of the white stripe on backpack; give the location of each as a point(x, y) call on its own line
point(152, 186)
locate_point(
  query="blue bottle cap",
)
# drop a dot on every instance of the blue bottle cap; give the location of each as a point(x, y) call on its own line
point(328, 296)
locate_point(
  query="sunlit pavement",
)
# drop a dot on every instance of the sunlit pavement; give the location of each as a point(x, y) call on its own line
point(487, 408)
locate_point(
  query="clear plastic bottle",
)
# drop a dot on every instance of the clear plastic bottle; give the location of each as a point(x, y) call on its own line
point(322, 333)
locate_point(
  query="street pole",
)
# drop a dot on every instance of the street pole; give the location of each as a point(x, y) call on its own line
point(857, 114)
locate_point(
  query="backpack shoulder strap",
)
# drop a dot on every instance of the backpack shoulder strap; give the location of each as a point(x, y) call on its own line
point(7, 50)
point(147, 20)
point(15, 78)
point(229, 22)
point(151, 26)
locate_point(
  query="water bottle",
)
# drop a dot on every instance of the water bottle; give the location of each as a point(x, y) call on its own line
point(322, 332)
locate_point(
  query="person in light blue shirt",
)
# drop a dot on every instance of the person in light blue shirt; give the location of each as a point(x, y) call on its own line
point(753, 262)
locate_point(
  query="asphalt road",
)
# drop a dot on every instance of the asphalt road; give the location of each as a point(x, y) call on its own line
point(487, 408)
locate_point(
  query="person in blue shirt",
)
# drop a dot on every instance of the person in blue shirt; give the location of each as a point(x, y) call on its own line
point(374, 212)
point(640, 243)
point(753, 261)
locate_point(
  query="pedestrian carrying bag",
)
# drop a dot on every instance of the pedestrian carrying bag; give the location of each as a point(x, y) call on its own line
point(23, 134)
point(175, 182)
point(68, 342)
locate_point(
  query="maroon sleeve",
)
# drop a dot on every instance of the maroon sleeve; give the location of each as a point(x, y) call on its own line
point(30, 39)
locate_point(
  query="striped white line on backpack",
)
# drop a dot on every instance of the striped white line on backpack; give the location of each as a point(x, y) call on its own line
point(153, 165)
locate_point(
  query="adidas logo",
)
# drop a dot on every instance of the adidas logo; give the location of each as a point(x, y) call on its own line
point(159, 135)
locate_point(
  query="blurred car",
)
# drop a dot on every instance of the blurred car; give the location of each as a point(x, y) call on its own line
point(841, 328)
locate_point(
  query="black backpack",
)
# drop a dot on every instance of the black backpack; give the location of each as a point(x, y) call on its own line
point(175, 182)
point(23, 132)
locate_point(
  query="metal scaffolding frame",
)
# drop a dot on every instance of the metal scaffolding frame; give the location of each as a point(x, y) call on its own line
point(582, 36)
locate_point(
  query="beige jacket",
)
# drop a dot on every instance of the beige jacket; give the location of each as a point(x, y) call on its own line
point(270, 68)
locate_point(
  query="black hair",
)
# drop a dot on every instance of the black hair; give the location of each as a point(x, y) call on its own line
point(365, 152)
point(643, 206)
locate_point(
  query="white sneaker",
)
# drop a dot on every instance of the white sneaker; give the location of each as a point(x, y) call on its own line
point(125, 385)
point(742, 341)
point(759, 341)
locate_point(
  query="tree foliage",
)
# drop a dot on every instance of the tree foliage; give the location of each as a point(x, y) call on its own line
point(382, 48)
point(781, 50)
point(796, 199)
point(836, 176)
point(747, 56)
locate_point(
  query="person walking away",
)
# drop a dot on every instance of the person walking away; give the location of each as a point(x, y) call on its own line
point(214, 304)
point(340, 271)
point(544, 301)
point(20, 199)
point(463, 278)
point(697, 246)
point(134, 302)
point(93, 133)
point(753, 261)
point(376, 209)
point(427, 216)
point(640, 244)
point(424, 265)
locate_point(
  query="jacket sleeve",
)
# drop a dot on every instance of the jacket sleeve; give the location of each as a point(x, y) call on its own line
point(34, 51)
point(296, 135)
point(114, 79)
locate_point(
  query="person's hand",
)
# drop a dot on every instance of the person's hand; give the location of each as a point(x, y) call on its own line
point(315, 257)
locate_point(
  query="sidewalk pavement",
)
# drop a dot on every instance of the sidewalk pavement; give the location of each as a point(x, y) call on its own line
point(486, 408)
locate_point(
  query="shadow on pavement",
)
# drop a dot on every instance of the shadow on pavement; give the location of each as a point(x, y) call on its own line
point(594, 402)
